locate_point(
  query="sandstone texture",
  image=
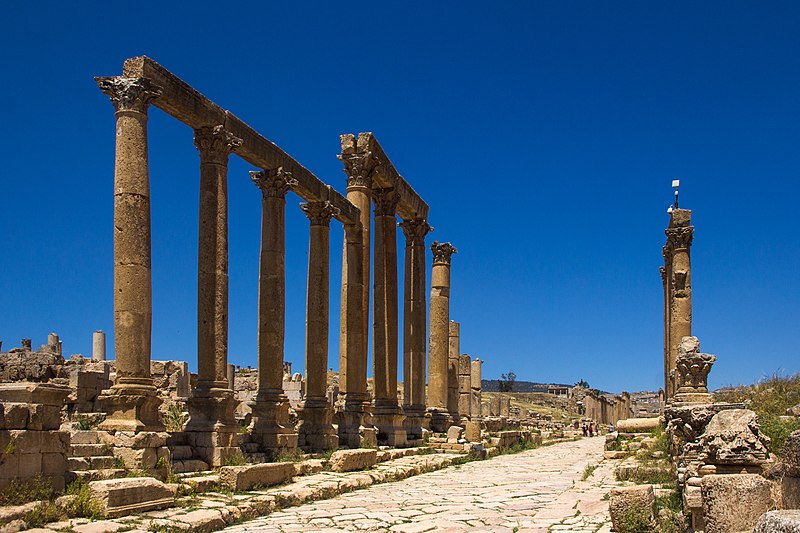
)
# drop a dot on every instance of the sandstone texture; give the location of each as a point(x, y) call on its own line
point(791, 454)
point(260, 475)
point(632, 508)
point(637, 425)
point(787, 521)
point(119, 497)
point(350, 460)
point(734, 502)
point(733, 437)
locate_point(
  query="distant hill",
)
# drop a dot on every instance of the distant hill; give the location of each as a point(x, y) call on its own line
point(493, 385)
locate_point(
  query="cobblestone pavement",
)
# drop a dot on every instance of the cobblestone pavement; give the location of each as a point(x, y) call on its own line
point(538, 490)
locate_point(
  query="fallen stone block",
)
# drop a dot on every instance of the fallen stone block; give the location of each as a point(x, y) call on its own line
point(791, 454)
point(472, 432)
point(734, 502)
point(632, 509)
point(638, 425)
point(454, 433)
point(261, 475)
point(203, 520)
point(119, 497)
point(350, 460)
point(785, 521)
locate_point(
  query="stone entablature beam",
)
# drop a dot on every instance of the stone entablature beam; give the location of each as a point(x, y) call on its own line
point(181, 101)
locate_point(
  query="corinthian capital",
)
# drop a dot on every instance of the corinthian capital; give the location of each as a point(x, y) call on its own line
point(386, 201)
point(360, 168)
point(273, 183)
point(680, 237)
point(319, 213)
point(128, 94)
point(442, 251)
point(415, 230)
point(215, 143)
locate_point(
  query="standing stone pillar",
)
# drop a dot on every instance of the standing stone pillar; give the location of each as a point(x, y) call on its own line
point(270, 423)
point(679, 240)
point(131, 404)
point(414, 325)
point(665, 285)
point(212, 423)
point(464, 387)
point(98, 346)
point(387, 416)
point(475, 384)
point(316, 431)
point(439, 343)
point(355, 427)
point(453, 354)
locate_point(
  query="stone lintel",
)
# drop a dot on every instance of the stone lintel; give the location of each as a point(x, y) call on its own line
point(411, 205)
point(186, 104)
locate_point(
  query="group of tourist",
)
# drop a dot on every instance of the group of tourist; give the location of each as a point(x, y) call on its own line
point(588, 430)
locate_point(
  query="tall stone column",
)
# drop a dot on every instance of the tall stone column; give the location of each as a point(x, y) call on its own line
point(98, 346)
point(665, 285)
point(439, 344)
point(387, 416)
point(316, 431)
point(414, 325)
point(355, 427)
point(131, 404)
point(679, 240)
point(270, 423)
point(212, 427)
point(453, 354)
point(475, 386)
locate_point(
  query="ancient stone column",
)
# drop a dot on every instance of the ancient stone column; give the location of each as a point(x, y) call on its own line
point(414, 325)
point(665, 285)
point(231, 376)
point(439, 343)
point(476, 386)
point(355, 427)
point(453, 353)
point(98, 346)
point(270, 424)
point(679, 240)
point(212, 423)
point(464, 387)
point(387, 415)
point(131, 404)
point(316, 431)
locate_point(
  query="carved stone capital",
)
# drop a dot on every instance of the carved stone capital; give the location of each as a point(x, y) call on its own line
point(360, 168)
point(693, 367)
point(319, 213)
point(442, 251)
point(680, 237)
point(415, 230)
point(215, 143)
point(129, 94)
point(273, 183)
point(385, 201)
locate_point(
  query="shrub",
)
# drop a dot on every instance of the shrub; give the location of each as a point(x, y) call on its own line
point(43, 514)
point(19, 492)
point(234, 459)
point(174, 418)
point(777, 430)
point(82, 505)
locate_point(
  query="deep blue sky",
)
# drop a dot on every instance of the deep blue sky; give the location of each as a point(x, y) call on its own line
point(543, 135)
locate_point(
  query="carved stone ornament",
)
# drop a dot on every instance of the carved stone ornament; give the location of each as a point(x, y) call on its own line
point(129, 94)
point(215, 143)
point(680, 237)
point(693, 367)
point(733, 437)
point(319, 213)
point(415, 230)
point(360, 168)
point(273, 183)
point(442, 252)
point(385, 201)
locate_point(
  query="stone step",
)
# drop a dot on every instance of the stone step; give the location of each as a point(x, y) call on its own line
point(103, 473)
point(181, 453)
point(89, 450)
point(96, 462)
point(202, 484)
point(189, 465)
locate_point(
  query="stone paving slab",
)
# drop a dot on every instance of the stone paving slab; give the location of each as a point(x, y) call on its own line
point(538, 490)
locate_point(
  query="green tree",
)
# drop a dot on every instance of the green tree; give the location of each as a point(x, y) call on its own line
point(506, 381)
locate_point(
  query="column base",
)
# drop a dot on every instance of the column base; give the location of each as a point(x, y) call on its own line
point(355, 423)
point(269, 427)
point(440, 419)
point(212, 429)
point(415, 421)
point(145, 451)
point(131, 405)
point(389, 420)
point(315, 432)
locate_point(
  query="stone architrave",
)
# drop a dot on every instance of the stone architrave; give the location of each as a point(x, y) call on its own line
point(678, 289)
point(692, 368)
point(270, 427)
point(315, 430)
point(439, 339)
point(414, 324)
point(355, 426)
point(131, 404)
point(212, 423)
point(387, 414)
point(453, 354)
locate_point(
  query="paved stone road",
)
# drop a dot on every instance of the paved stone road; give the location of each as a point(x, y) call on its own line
point(538, 490)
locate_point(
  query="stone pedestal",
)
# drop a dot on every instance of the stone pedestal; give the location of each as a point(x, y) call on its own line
point(212, 427)
point(439, 344)
point(269, 426)
point(315, 430)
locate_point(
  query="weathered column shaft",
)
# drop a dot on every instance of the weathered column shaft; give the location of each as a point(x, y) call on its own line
point(353, 357)
point(438, 350)
point(98, 346)
point(214, 145)
point(453, 354)
point(679, 239)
